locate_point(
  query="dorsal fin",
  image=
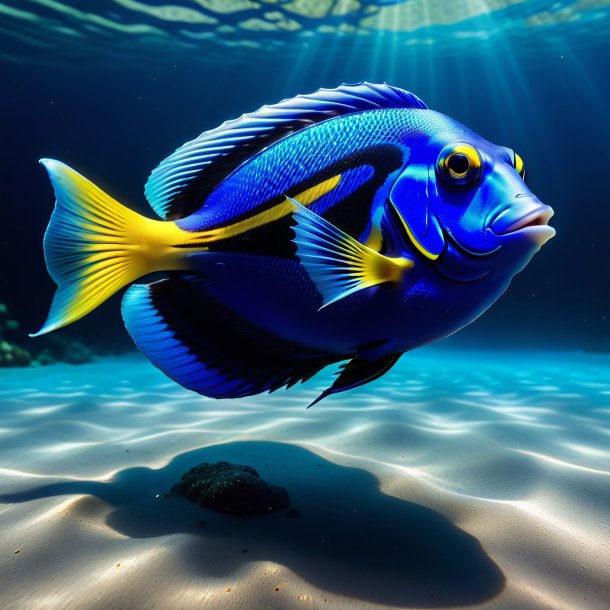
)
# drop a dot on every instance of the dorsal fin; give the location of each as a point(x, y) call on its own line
point(178, 186)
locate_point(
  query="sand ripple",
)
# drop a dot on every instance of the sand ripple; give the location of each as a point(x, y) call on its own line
point(497, 462)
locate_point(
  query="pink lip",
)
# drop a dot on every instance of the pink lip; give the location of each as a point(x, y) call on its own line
point(531, 225)
point(536, 218)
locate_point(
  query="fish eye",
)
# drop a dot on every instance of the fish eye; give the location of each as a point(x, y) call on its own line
point(519, 166)
point(459, 165)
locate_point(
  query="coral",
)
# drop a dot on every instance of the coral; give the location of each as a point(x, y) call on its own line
point(64, 350)
point(17, 349)
point(44, 358)
point(231, 488)
point(13, 355)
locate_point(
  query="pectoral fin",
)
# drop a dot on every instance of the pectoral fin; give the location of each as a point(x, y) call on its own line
point(357, 372)
point(338, 264)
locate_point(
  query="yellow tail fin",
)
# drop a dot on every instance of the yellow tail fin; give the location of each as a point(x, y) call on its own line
point(94, 246)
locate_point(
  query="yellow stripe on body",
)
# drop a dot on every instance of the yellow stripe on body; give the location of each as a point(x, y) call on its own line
point(157, 245)
point(282, 209)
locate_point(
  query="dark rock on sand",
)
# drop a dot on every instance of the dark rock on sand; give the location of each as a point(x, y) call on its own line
point(231, 488)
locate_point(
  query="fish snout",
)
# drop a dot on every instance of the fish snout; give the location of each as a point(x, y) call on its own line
point(526, 217)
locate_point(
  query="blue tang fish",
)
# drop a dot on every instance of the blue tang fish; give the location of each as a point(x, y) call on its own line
point(348, 225)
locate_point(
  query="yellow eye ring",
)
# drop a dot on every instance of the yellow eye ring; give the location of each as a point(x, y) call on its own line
point(459, 165)
point(519, 166)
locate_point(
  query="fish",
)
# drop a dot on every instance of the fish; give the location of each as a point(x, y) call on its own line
point(343, 227)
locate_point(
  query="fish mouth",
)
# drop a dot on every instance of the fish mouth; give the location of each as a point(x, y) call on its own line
point(532, 225)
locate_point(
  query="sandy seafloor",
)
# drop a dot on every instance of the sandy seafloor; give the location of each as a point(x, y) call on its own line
point(459, 479)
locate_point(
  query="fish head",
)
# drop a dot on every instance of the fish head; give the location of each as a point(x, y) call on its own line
point(463, 206)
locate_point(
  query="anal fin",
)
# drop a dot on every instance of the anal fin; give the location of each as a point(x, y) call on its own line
point(206, 348)
point(357, 372)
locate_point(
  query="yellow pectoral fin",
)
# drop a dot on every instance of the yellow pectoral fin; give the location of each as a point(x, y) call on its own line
point(375, 239)
point(338, 264)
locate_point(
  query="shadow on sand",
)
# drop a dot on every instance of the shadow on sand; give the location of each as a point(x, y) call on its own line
point(349, 538)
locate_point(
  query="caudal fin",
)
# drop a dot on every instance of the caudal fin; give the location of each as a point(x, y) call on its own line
point(94, 246)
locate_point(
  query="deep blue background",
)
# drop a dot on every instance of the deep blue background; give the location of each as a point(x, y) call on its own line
point(114, 123)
